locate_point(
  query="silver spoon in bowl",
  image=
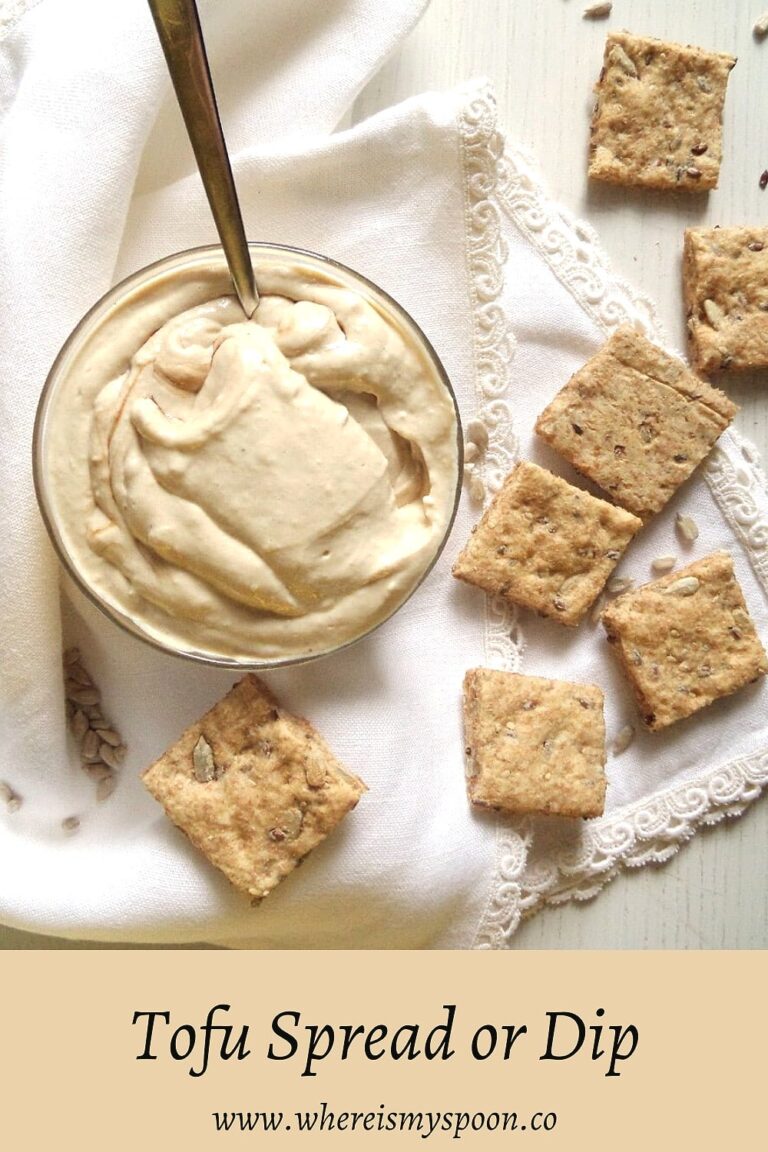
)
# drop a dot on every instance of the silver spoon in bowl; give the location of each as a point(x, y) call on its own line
point(181, 38)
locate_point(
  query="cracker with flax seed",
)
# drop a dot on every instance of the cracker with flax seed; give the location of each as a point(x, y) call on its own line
point(546, 545)
point(657, 120)
point(685, 640)
point(534, 746)
point(725, 286)
point(636, 421)
point(253, 787)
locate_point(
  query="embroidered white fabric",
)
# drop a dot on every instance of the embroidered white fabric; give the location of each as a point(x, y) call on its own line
point(540, 862)
point(426, 201)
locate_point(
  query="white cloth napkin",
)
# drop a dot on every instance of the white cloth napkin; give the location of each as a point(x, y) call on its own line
point(95, 181)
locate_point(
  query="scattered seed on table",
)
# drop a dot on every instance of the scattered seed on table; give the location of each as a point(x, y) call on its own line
point(663, 563)
point(88, 697)
point(109, 736)
point(101, 746)
point(105, 787)
point(77, 673)
point(112, 756)
point(687, 527)
point(97, 771)
point(79, 724)
point(623, 740)
point(477, 433)
point(90, 745)
point(477, 489)
point(70, 823)
point(598, 10)
point(12, 799)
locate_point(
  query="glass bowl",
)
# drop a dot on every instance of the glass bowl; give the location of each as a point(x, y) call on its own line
point(99, 350)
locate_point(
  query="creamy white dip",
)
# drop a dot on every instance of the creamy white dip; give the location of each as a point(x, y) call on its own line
point(251, 489)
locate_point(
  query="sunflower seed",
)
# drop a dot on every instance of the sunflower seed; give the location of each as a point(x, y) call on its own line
point(70, 823)
point(623, 740)
point(760, 27)
point(597, 11)
point(687, 527)
point(11, 799)
point(570, 583)
point(88, 697)
point(663, 563)
point(77, 673)
point(115, 756)
point(597, 610)
point(619, 584)
point(79, 724)
point(477, 489)
point(289, 827)
point(618, 56)
point(685, 586)
point(97, 771)
point(471, 452)
point(105, 787)
point(109, 736)
point(714, 313)
point(101, 748)
point(90, 746)
point(477, 433)
point(204, 765)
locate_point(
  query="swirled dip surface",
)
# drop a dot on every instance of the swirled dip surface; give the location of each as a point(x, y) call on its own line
point(253, 488)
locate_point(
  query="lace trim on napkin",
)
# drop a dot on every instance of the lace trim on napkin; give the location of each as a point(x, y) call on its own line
point(482, 150)
point(500, 179)
point(493, 342)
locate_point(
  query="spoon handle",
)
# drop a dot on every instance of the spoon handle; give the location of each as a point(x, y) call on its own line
point(181, 38)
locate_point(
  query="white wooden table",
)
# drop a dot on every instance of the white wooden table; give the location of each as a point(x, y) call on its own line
point(543, 58)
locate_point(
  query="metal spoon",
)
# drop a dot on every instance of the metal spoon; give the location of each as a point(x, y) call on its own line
point(178, 27)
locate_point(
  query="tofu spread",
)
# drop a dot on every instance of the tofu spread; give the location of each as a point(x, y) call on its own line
point(252, 489)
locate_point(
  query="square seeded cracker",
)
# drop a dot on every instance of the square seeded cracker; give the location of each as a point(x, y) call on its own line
point(725, 286)
point(545, 545)
point(658, 117)
point(253, 787)
point(534, 745)
point(636, 421)
point(685, 640)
